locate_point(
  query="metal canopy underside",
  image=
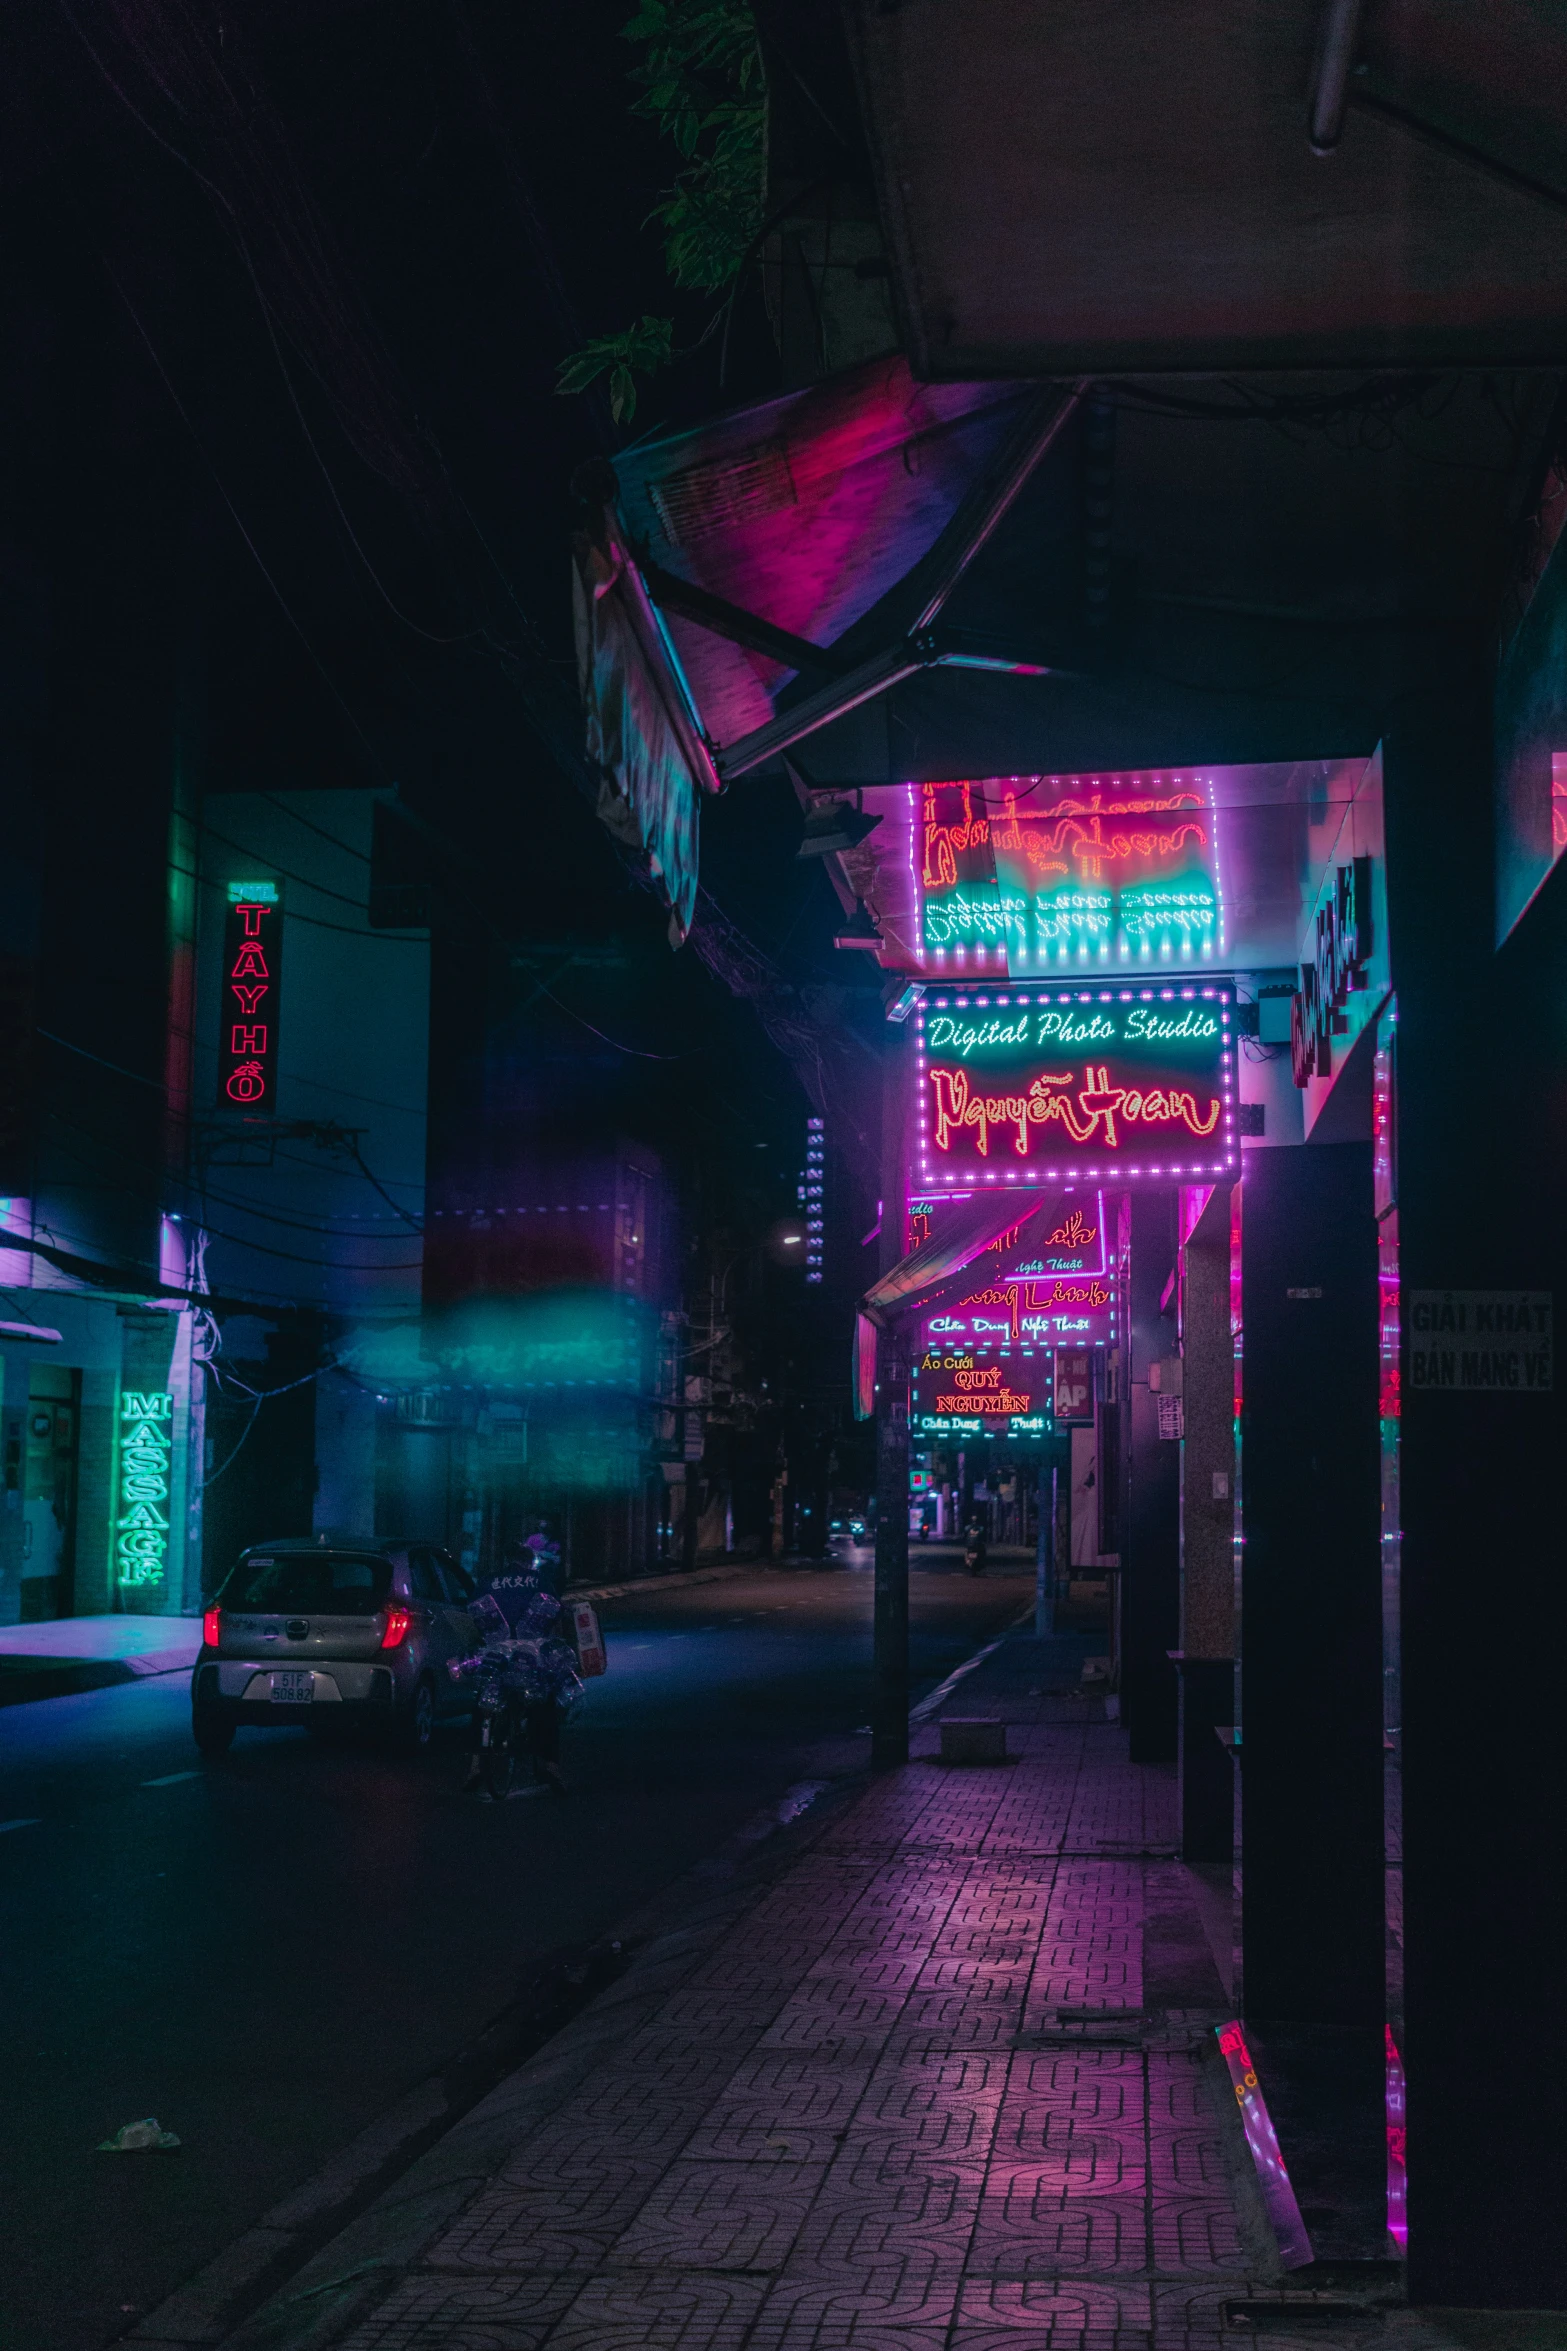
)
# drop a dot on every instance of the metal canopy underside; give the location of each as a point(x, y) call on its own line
point(1079, 189)
point(1257, 589)
point(804, 511)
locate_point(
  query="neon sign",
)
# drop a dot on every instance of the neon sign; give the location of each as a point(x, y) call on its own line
point(1072, 1233)
point(956, 1396)
point(141, 1526)
point(1098, 1082)
point(1122, 875)
point(811, 1196)
point(248, 1019)
point(1342, 947)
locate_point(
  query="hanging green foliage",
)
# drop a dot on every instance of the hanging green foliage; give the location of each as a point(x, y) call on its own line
point(645, 346)
point(701, 80)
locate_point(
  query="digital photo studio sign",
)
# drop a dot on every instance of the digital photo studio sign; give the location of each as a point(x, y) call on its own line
point(1028, 1085)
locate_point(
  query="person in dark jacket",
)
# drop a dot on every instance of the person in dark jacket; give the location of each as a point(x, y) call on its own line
point(519, 1620)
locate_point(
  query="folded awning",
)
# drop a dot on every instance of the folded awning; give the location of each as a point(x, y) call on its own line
point(959, 1235)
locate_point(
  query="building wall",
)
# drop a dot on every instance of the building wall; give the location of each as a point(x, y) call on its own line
point(113, 1346)
point(328, 1217)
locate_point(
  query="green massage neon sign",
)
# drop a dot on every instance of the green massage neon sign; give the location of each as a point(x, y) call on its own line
point(141, 1525)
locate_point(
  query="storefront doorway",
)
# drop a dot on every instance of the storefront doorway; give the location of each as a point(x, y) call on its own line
point(49, 1494)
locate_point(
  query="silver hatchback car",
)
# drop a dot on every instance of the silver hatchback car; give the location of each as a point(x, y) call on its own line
point(329, 1633)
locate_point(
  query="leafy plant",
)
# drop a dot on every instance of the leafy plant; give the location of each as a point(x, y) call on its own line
point(647, 346)
point(702, 82)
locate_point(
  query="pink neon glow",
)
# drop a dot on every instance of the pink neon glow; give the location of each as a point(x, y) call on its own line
point(1272, 2173)
point(1397, 2176)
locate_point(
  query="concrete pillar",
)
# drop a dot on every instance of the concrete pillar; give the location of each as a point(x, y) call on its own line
point(890, 1637)
point(1482, 1142)
point(13, 1442)
point(1207, 1668)
point(1150, 1528)
point(1311, 1615)
point(890, 1671)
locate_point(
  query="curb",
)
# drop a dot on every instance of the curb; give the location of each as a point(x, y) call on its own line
point(24, 1679)
point(661, 1583)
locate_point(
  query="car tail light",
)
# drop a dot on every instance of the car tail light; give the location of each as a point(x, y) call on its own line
point(396, 1631)
point(212, 1627)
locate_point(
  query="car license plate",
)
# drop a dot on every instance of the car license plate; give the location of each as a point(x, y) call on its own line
point(293, 1689)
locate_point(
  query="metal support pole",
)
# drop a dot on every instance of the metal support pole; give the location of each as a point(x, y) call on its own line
point(1045, 1559)
point(688, 1515)
point(890, 1657)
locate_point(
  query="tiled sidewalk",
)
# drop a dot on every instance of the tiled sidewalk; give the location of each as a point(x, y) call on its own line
point(919, 2097)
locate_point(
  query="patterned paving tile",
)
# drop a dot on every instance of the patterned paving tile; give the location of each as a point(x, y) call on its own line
point(546, 2224)
point(1196, 2235)
point(1052, 2315)
point(730, 2216)
point(443, 2314)
point(862, 2216)
point(656, 2312)
point(1025, 2223)
point(853, 2126)
point(890, 2303)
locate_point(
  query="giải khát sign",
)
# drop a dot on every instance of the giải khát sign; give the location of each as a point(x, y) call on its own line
point(1015, 1085)
point(1480, 1342)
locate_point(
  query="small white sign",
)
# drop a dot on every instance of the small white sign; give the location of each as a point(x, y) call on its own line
point(1480, 1342)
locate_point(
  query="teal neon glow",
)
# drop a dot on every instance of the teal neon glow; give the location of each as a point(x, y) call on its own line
point(1073, 918)
point(1153, 918)
point(252, 893)
point(141, 1528)
point(963, 918)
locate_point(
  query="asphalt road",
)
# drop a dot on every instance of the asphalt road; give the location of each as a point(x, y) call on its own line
point(267, 1951)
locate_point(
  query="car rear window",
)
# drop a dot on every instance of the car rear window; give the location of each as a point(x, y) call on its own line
point(320, 1583)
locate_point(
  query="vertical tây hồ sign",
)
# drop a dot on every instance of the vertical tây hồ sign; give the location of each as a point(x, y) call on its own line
point(248, 1012)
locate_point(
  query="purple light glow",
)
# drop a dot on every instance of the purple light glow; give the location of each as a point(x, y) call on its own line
point(1272, 2173)
point(1397, 2176)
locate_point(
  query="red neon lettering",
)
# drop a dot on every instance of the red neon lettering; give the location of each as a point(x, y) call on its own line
point(251, 916)
point(942, 840)
point(249, 998)
point(957, 1108)
point(250, 964)
point(1232, 2043)
point(993, 1401)
point(247, 1084)
point(248, 1040)
point(1073, 1234)
point(990, 1377)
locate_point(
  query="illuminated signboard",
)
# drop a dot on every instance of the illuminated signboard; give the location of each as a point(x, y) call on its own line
point(955, 1395)
point(1043, 875)
point(1015, 1086)
point(811, 1195)
point(1021, 1313)
point(1074, 1384)
point(1071, 1241)
point(248, 1014)
point(141, 1526)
